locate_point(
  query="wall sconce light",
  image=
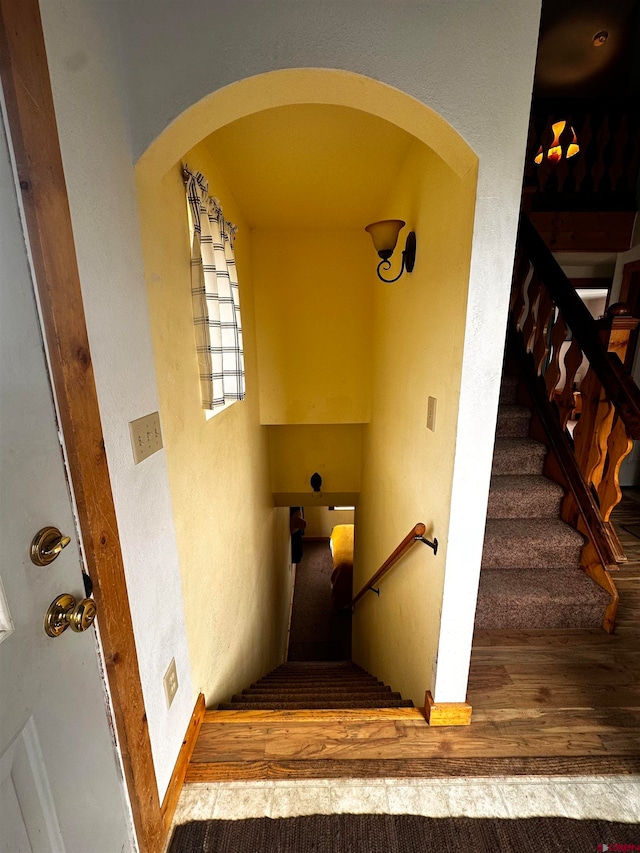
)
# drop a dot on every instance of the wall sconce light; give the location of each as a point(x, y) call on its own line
point(563, 145)
point(385, 236)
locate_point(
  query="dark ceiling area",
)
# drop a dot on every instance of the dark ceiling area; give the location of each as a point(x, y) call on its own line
point(588, 74)
point(589, 49)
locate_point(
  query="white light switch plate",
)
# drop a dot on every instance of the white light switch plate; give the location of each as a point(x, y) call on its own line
point(146, 437)
point(431, 414)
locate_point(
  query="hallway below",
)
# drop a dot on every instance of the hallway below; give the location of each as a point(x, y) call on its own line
point(318, 632)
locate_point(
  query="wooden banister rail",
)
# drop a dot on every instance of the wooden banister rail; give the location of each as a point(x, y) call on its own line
point(416, 534)
point(619, 387)
point(587, 404)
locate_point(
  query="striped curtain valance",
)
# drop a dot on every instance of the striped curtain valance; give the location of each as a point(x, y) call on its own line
point(215, 298)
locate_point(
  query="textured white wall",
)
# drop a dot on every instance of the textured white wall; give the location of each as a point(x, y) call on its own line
point(100, 183)
point(471, 61)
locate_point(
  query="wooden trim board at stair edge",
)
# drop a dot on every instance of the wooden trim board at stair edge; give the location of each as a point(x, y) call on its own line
point(167, 810)
point(321, 715)
point(446, 713)
point(426, 768)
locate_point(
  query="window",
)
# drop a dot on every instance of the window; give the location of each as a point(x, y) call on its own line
point(215, 297)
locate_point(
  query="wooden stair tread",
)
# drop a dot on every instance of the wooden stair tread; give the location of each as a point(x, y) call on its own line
point(321, 715)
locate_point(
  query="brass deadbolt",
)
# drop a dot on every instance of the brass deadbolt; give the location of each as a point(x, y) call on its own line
point(46, 545)
point(65, 612)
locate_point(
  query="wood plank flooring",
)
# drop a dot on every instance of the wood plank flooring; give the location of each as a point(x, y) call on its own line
point(544, 702)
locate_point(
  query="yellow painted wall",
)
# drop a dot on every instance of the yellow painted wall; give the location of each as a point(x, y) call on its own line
point(321, 520)
point(314, 315)
point(233, 543)
point(407, 469)
point(332, 450)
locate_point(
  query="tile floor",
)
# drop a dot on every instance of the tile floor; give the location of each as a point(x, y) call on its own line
point(605, 797)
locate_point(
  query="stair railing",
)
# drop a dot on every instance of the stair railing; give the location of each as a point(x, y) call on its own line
point(573, 368)
point(416, 534)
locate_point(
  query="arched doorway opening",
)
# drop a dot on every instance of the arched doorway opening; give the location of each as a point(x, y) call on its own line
point(339, 366)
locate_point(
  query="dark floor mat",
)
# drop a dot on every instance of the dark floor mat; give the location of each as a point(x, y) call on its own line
point(343, 833)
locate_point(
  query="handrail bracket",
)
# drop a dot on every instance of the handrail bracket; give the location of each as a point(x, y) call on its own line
point(373, 589)
point(428, 542)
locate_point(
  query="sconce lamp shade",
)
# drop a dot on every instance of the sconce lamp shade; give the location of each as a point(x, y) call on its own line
point(385, 235)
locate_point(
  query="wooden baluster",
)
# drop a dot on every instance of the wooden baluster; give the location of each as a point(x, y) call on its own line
point(553, 372)
point(615, 331)
point(529, 325)
point(596, 421)
point(540, 342)
point(618, 446)
point(592, 432)
point(565, 400)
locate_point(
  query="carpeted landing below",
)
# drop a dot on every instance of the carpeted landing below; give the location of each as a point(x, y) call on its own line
point(361, 833)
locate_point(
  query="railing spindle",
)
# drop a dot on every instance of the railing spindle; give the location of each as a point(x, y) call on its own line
point(553, 372)
point(541, 337)
point(619, 446)
point(565, 399)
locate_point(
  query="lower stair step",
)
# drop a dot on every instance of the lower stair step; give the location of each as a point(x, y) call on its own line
point(318, 696)
point(513, 421)
point(301, 706)
point(337, 690)
point(539, 598)
point(518, 456)
point(528, 496)
point(530, 542)
point(316, 686)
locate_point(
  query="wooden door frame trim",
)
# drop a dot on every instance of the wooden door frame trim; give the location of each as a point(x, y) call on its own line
point(34, 136)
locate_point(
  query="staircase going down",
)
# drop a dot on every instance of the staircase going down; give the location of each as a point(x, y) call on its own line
point(314, 685)
point(530, 573)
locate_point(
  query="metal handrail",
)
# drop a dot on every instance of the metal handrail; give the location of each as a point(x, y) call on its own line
point(416, 534)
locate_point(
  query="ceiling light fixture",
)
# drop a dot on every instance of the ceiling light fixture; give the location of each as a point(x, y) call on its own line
point(600, 38)
point(385, 236)
point(563, 145)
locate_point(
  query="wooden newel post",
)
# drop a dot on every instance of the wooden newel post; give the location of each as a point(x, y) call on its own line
point(615, 329)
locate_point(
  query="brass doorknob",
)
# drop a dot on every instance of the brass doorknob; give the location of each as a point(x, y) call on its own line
point(65, 612)
point(46, 545)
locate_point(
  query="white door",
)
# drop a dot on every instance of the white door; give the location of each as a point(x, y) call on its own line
point(60, 783)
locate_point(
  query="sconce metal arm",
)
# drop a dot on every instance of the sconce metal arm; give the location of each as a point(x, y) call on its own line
point(408, 260)
point(385, 263)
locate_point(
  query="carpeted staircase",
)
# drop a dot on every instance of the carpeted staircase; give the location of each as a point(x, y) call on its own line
point(314, 685)
point(530, 575)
